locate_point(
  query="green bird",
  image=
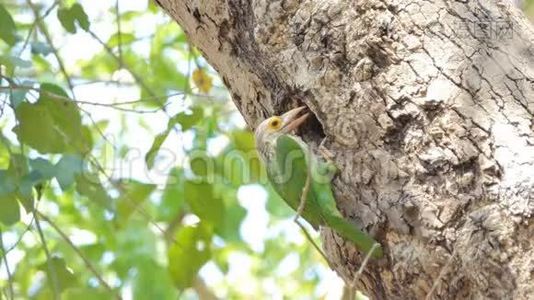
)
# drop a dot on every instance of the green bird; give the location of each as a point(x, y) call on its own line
point(289, 162)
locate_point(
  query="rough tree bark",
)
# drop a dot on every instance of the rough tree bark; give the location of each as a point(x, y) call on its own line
point(428, 109)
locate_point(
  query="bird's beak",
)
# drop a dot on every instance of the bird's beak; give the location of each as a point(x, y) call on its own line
point(292, 120)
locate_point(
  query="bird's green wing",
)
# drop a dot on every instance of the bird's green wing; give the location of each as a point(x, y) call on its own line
point(289, 168)
point(322, 188)
point(293, 157)
point(292, 170)
point(335, 220)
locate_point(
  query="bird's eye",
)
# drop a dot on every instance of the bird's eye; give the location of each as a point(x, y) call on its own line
point(275, 123)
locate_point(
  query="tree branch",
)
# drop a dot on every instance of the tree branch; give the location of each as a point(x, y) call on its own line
point(53, 279)
point(8, 271)
point(86, 261)
point(44, 30)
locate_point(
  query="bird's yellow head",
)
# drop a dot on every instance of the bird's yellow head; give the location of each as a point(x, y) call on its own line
point(271, 128)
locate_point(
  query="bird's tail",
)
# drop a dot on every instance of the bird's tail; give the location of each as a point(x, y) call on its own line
point(350, 232)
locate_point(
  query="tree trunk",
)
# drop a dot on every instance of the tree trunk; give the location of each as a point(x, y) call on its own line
point(427, 107)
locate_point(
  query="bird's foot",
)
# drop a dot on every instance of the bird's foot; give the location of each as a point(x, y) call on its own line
point(328, 157)
point(327, 154)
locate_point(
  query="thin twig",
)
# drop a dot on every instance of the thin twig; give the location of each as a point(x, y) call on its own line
point(187, 88)
point(27, 39)
point(8, 271)
point(21, 236)
point(121, 63)
point(364, 264)
point(202, 290)
point(48, 38)
point(5, 293)
point(441, 274)
point(310, 238)
point(136, 77)
point(86, 261)
point(115, 105)
point(59, 60)
point(137, 207)
point(84, 81)
point(352, 286)
point(51, 271)
point(306, 188)
point(302, 205)
point(119, 33)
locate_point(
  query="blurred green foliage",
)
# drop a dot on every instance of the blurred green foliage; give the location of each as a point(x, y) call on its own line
point(81, 219)
point(528, 7)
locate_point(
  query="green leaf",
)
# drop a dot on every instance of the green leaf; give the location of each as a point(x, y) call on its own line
point(57, 271)
point(53, 124)
point(41, 65)
point(201, 164)
point(185, 120)
point(66, 116)
point(133, 194)
point(220, 257)
point(22, 180)
point(86, 294)
point(17, 96)
point(41, 170)
point(40, 48)
point(239, 167)
point(7, 184)
point(189, 253)
point(36, 128)
point(7, 27)
point(80, 16)
point(167, 75)
point(150, 156)
point(98, 64)
point(152, 281)
point(152, 6)
point(203, 203)
point(89, 185)
point(13, 61)
point(4, 153)
point(135, 245)
point(125, 39)
point(173, 196)
point(243, 140)
point(18, 166)
point(131, 15)
point(233, 216)
point(28, 182)
point(93, 252)
point(43, 167)
point(9, 209)
point(67, 168)
point(68, 17)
